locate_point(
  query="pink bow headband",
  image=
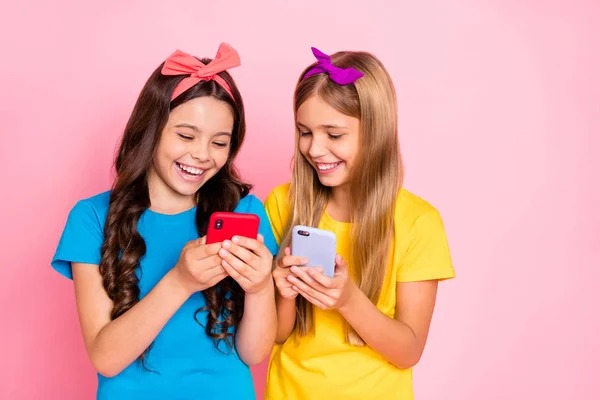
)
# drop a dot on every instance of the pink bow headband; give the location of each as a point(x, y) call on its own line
point(180, 63)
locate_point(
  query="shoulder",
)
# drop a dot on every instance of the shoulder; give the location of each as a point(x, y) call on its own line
point(281, 191)
point(93, 208)
point(248, 203)
point(410, 207)
point(278, 196)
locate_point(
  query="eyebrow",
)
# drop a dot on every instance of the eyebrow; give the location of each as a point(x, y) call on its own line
point(190, 126)
point(196, 129)
point(325, 126)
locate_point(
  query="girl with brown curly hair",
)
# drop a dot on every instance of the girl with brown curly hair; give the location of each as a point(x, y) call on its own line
point(163, 314)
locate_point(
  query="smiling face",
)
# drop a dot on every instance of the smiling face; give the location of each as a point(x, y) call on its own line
point(193, 146)
point(329, 140)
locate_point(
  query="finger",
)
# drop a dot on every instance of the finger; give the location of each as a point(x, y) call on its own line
point(201, 241)
point(207, 263)
point(319, 277)
point(289, 261)
point(241, 253)
point(206, 268)
point(310, 298)
point(202, 251)
point(287, 251)
point(254, 245)
point(235, 274)
point(213, 271)
point(217, 278)
point(260, 238)
point(340, 265)
point(304, 275)
point(305, 287)
point(240, 266)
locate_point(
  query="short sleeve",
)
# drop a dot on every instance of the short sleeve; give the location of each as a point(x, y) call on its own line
point(274, 213)
point(256, 207)
point(427, 256)
point(81, 240)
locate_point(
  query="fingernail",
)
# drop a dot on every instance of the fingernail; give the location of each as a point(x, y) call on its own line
point(235, 239)
point(294, 269)
point(223, 253)
point(305, 261)
point(290, 278)
point(227, 244)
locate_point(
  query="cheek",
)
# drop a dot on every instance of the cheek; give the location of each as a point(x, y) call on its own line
point(348, 151)
point(169, 150)
point(304, 145)
point(220, 156)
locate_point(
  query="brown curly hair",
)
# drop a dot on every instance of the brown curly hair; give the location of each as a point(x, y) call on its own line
point(123, 246)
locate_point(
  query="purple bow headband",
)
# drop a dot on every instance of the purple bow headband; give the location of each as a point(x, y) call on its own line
point(338, 75)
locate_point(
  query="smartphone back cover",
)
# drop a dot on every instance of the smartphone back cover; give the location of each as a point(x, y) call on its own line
point(318, 247)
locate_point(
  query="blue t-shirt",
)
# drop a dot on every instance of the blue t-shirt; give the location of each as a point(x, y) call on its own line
point(186, 361)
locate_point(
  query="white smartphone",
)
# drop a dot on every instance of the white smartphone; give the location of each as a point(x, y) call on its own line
point(316, 245)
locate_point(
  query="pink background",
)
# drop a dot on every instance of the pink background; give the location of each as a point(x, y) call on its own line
point(499, 117)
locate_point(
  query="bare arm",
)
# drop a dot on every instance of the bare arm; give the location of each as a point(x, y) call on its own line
point(256, 333)
point(286, 318)
point(401, 340)
point(286, 295)
point(248, 261)
point(112, 345)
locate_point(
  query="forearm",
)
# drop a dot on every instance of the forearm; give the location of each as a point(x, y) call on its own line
point(256, 333)
point(389, 337)
point(286, 318)
point(123, 340)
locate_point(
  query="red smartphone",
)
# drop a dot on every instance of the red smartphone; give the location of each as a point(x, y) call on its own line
point(225, 225)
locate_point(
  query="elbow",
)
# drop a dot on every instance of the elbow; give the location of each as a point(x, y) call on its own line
point(254, 359)
point(281, 338)
point(105, 368)
point(405, 361)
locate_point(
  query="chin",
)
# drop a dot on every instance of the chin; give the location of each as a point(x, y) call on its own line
point(331, 181)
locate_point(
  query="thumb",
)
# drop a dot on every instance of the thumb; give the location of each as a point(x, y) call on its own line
point(287, 251)
point(200, 241)
point(340, 265)
point(260, 238)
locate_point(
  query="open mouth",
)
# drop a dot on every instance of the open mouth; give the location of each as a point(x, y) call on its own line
point(189, 171)
point(327, 168)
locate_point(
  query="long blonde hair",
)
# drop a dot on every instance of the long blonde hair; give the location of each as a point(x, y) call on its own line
point(374, 185)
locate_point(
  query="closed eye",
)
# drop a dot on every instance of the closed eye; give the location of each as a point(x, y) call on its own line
point(185, 137)
point(334, 137)
point(305, 133)
point(220, 144)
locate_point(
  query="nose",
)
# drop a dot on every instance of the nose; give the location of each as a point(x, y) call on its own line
point(200, 151)
point(317, 146)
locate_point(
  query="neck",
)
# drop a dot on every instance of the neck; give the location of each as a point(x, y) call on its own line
point(339, 205)
point(165, 200)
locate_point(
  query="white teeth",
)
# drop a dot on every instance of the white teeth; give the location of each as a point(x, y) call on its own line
point(190, 170)
point(325, 167)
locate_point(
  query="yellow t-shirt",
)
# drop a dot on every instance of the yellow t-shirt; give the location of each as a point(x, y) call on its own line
point(321, 365)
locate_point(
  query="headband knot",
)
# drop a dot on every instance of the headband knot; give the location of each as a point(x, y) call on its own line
point(339, 75)
point(180, 63)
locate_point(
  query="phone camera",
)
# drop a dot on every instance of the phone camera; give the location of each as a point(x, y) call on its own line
point(303, 233)
point(218, 224)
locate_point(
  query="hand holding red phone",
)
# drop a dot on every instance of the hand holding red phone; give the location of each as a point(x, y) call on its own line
point(322, 291)
point(248, 261)
point(199, 266)
point(282, 271)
